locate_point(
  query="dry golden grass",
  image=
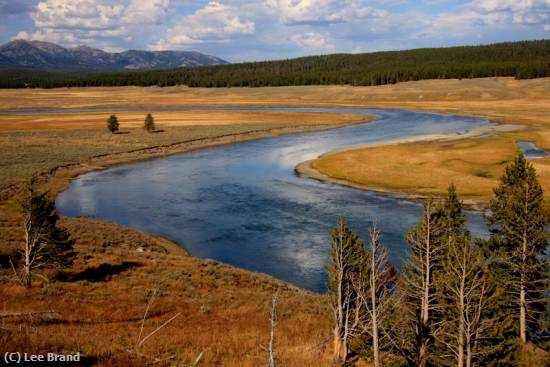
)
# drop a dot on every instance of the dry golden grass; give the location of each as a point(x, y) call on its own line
point(165, 119)
point(102, 298)
point(506, 99)
point(424, 168)
point(461, 96)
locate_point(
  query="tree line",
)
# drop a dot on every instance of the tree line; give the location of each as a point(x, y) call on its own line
point(522, 60)
point(456, 301)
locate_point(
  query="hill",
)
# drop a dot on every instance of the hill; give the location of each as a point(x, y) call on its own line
point(522, 60)
point(49, 56)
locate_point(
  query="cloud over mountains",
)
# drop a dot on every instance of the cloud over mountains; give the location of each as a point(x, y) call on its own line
point(260, 29)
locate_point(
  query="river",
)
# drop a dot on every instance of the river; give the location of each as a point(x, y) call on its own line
point(243, 205)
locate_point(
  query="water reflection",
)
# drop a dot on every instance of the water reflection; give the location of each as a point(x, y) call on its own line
point(241, 204)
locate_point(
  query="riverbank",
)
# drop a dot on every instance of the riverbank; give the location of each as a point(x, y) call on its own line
point(407, 166)
point(60, 147)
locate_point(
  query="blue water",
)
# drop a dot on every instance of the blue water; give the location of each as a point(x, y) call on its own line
point(531, 151)
point(243, 205)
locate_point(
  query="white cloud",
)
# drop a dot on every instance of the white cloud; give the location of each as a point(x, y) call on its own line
point(515, 11)
point(103, 21)
point(22, 36)
point(312, 41)
point(215, 22)
point(321, 11)
point(460, 24)
point(479, 17)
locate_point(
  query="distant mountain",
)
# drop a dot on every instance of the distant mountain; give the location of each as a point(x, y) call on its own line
point(45, 55)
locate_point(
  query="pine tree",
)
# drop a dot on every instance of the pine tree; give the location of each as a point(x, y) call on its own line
point(346, 260)
point(149, 123)
point(518, 241)
point(454, 221)
point(112, 124)
point(45, 243)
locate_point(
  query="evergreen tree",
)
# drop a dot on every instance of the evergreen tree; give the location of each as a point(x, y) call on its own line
point(453, 219)
point(149, 123)
point(346, 260)
point(45, 243)
point(518, 243)
point(112, 124)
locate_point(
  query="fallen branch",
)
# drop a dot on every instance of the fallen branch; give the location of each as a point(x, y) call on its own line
point(157, 329)
point(151, 300)
point(199, 357)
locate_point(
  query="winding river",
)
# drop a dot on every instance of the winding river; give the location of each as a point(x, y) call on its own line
point(243, 205)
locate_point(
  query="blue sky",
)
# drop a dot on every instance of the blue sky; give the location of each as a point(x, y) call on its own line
point(238, 30)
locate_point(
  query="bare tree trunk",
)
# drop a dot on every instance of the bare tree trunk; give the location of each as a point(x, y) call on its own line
point(338, 353)
point(468, 355)
point(373, 289)
point(272, 334)
point(425, 307)
point(340, 347)
point(26, 277)
point(461, 321)
point(522, 300)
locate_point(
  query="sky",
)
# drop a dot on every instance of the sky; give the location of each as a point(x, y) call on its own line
point(252, 30)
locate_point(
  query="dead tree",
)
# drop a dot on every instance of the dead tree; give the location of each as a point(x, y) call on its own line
point(374, 287)
point(465, 320)
point(44, 243)
point(419, 296)
point(346, 258)
point(273, 317)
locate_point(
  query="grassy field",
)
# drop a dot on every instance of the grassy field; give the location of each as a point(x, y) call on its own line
point(101, 300)
point(168, 119)
point(489, 96)
point(427, 168)
point(423, 168)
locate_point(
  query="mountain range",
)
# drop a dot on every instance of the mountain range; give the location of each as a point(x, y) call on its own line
point(46, 55)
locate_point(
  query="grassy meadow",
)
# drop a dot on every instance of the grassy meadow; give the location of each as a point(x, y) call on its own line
point(100, 303)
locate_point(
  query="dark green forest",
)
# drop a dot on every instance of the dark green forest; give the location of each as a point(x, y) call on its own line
point(522, 60)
